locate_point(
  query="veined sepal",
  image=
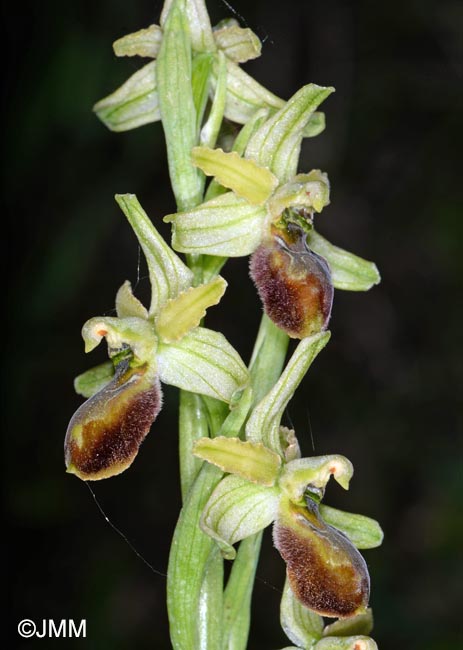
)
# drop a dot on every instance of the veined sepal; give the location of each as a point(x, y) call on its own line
point(356, 625)
point(362, 531)
point(144, 42)
point(198, 21)
point(237, 509)
point(263, 425)
point(226, 225)
point(348, 271)
point(204, 362)
point(91, 381)
point(168, 275)
point(239, 44)
point(276, 144)
point(133, 104)
point(302, 626)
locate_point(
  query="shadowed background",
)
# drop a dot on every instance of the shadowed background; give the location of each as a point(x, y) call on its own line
point(384, 391)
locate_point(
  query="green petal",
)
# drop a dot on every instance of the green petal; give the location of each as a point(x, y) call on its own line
point(174, 80)
point(316, 471)
point(346, 643)
point(263, 425)
point(226, 225)
point(247, 179)
point(183, 313)
point(238, 509)
point(276, 145)
point(361, 624)
point(238, 43)
point(251, 461)
point(133, 104)
point(203, 362)
point(362, 531)
point(301, 625)
point(144, 42)
point(168, 274)
point(127, 304)
point(348, 271)
point(199, 24)
point(93, 380)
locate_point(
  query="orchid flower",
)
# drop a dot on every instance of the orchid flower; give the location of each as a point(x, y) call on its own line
point(147, 346)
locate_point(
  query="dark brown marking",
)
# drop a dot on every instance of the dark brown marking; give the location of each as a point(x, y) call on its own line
point(326, 572)
point(294, 284)
point(112, 424)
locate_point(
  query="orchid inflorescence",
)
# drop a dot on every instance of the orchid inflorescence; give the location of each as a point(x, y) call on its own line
point(248, 466)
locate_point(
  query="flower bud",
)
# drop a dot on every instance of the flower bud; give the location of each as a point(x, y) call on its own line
point(293, 282)
point(326, 572)
point(106, 431)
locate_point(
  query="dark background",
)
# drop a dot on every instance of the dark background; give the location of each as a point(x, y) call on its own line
point(384, 392)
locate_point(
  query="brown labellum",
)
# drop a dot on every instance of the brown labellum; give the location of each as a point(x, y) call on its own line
point(326, 572)
point(105, 433)
point(293, 282)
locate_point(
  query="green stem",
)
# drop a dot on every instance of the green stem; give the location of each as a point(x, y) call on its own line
point(266, 366)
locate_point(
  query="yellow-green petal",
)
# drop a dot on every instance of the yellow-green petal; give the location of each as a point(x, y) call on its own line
point(251, 461)
point(247, 179)
point(182, 314)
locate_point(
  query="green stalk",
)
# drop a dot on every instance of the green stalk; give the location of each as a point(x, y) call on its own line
point(266, 366)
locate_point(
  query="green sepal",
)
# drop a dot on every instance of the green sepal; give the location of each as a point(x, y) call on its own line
point(127, 304)
point(302, 626)
point(276, 144)
point(238, 44)
point(245, 96)
point(305, 191)
point(169, 276)
point(185, 312)
point(202, 362)
point(263, 425)
point(145, 42)
point(247, 179)
point(237, 509)
point(348, 271)
point(136, 333)
point(226, 226)
point(316, 471)
point(94, 379)
point(198, 21)
point(346, 643)
point(174, 81)
point(133, 104)
point(362, 531)
point(251, 461)
point(360, 624)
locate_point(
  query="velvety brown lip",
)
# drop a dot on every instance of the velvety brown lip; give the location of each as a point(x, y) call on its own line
point(326, 572)
point(105, 433)
point(294, 284)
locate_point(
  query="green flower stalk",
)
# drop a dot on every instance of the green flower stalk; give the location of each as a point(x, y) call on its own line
point(241, 470)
